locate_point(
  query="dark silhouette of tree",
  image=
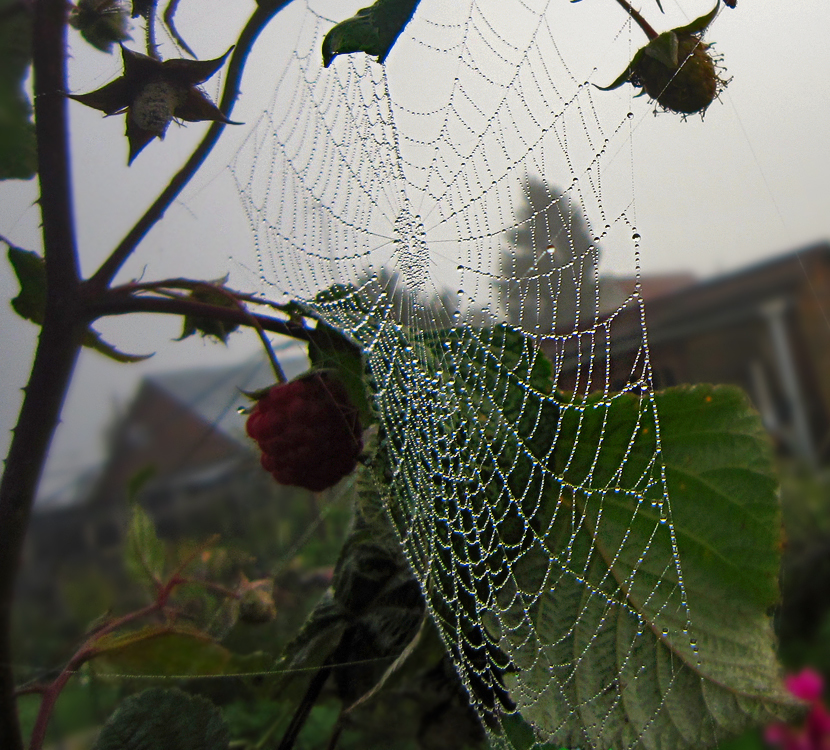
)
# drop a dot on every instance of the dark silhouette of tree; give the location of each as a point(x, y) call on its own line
point(548, 270)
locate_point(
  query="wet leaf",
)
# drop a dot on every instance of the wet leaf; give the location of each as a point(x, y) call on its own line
point(18, 151)
point(30, 303)
point(164, 720)
point(372, 30)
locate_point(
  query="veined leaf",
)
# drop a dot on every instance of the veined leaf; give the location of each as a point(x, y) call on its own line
point(30, 303)
point(605, 573)
point(656, 602)
point(165, 650)
point(372, 30)
point(18, 151)
point(164, 720)
point(144, 552)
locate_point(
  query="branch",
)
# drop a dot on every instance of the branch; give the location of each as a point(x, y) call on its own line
point(641, 22)
point(264, 12)
point(113, 304)
point(60, 337)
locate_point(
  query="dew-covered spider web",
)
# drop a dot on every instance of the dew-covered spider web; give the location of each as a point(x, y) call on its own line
point(454, 212)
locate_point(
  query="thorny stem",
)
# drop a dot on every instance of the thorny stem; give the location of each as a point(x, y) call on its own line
point(264, 12)
point(641, 22)
point(189, 284)
point(122, 305)
point(88, 651)
point(59, 341)
point(69, 301)
point(254, 323)
point(235, 298)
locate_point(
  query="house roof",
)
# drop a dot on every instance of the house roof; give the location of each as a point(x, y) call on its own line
point(720, 300)
point(215, 393)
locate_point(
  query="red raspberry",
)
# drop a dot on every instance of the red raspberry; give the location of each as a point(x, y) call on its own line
point(308, 431)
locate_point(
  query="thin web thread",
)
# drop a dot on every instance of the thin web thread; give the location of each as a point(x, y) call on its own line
point(421, 208)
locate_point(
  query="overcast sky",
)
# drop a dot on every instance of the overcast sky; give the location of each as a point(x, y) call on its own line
point(750, 181)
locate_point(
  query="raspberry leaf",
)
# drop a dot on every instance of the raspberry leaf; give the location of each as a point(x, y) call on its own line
point(372, 30)
point(166, 650)
point(164, 720)
point(18, 151)
point(144, 553)
point(30, 303)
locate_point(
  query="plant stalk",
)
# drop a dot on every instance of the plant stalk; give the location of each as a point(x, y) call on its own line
point(259, 19)
point(60, 337)
point(641, 22)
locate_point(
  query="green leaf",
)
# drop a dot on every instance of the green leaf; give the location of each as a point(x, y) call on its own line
point(164, 720)
point(372, 30)
point(617, 585)
point(103, 23)
point(331, 350)
point(208, 326)
point(94, 341)
point(676, 650)
point(144, 552)
point(625, 76)
point(665, 49)
point(30, 303)
point(699, 25)
point(18, 152)
point(165, 651)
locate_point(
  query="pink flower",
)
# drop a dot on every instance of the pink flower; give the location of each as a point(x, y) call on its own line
point(807, 685)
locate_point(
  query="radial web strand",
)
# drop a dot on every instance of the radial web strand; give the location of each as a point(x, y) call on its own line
point(461, 204)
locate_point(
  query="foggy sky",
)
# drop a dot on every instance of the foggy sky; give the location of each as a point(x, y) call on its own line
point(750, 181)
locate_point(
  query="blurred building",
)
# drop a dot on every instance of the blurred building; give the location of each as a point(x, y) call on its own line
point(181, 446)
point(765, 328)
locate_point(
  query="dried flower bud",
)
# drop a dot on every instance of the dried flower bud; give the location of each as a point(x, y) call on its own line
point(686, 83)
point(154, 105)
point(676, 68)
point(154, 92)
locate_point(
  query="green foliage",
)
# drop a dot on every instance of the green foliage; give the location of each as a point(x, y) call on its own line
point(30, 303)
point(18, 151)
point(165, 650)
point(164, 720)
point(144, 553)
point(690, 633)
point(803, 619)
point(643, 563)
point(102, 23)
point(330, 349)
point(372, 30)
point(209, 326)
point(83, 703)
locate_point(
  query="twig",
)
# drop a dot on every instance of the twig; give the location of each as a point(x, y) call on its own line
point(112, 304)
point(60, 336)
point(89, 651)
point(641, 22)
point(264, 12)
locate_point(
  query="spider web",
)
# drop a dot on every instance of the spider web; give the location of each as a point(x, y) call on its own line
point(461, 200)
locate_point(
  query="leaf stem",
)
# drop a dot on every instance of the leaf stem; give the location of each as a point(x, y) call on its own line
point(88, 651)
point(641, 22)
point(264, 12)
point(113, 304)
point(60, 337)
